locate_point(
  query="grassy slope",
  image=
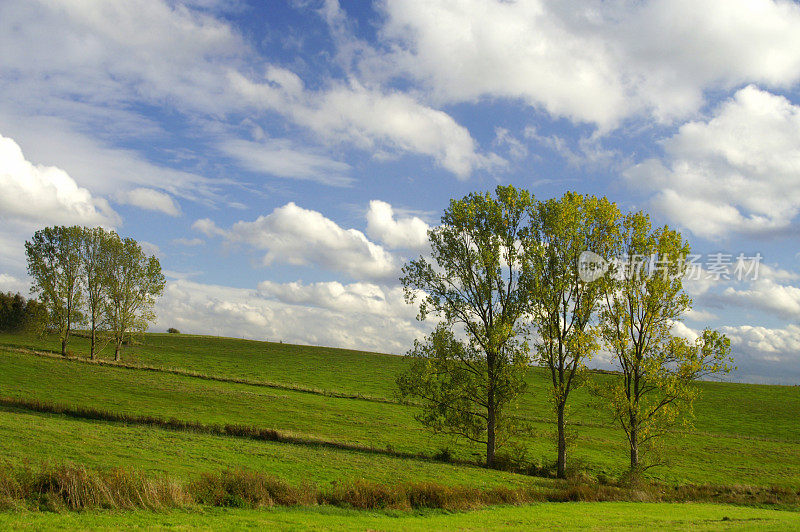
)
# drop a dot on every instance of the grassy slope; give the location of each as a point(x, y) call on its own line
point(745, 433)
point(594, 516)
point(183, 455)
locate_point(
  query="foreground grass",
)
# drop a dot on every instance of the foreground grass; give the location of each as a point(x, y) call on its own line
point(574, 516)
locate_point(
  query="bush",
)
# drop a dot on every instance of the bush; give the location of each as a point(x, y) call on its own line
point(173, 330)
point(248, 489)
point(444, 454)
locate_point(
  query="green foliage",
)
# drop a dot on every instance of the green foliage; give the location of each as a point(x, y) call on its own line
point(561, 304)
point(472, 285)
point(95, 255)
point(655, 389)
point(54, 264)
point(132, 283)
point(20, 315)
point(451, 379)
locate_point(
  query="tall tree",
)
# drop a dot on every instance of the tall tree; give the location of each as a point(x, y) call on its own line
point(472, 285)
point(562, 305)
point(133, 283)
point(642, 301)
point(94, 267)
point(54, 264)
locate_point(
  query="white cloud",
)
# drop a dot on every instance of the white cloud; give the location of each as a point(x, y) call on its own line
point(696, 315)
point(43, 195)
point(681, 330)
point(409, 232)
point(773, 343)
point(278, 157)
point(151, 249)
point(305, 314)
point(767, 295)
point(150, 199)
point(99, 57)
point(300, 237)
point(369, 119)
point(737, 171)
point(596, 62)
point(366, 298)
point(9, 283)
point(188, 242)
point(208, 227)
point(764, 354)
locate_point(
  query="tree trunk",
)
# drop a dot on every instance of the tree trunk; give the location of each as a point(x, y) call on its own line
point(634, 442)
point(64, 346)
point(117, 351)
point(490, 433)
point(91, 348)
point(561, 467)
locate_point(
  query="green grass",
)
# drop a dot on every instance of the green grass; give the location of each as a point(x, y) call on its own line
point(573, 516)
point(744, 434)
point(738, 439)
point(183, 455)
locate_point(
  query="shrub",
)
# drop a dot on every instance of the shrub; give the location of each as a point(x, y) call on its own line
point(173, 330)
point(248, 489)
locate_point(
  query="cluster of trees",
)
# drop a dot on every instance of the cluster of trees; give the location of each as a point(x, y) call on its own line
point(18, 314)
point(92, 276)
point(504, 285)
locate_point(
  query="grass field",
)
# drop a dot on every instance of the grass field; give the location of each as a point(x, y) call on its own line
point(743, 434)
point(572, 516)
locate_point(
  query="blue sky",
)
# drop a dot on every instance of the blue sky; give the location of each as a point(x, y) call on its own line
point(284, 159)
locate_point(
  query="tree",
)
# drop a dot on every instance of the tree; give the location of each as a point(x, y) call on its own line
point(54, 264)
point(133, 283)
point(642, 301)
point(466, 386)
point(94, 251)
point(561, 303)
point(18, 314)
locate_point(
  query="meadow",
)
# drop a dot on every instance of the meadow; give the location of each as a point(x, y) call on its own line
point(338, 420)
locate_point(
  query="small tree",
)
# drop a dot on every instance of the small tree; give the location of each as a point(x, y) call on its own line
point(642, 300)
point(54, 264)
point(133, 283)
point(94, 252)
point(466, 387)
point(561, 303)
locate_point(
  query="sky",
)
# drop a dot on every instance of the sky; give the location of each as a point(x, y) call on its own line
point(283, 160)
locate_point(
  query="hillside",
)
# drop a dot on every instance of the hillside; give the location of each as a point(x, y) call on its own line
point(335, 418)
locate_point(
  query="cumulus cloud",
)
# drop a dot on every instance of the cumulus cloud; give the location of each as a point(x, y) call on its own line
point(208, 227)
point(409, 232)
point(369, 118)
point(301, 237)
point(304, 314)
point(150, 199)
point(737, 171)
point(167, 53)
point(766, 354)
point(594, 62)
point(366, 298)
point(43, 195)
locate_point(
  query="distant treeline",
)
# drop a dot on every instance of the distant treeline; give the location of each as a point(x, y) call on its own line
point(18, 314)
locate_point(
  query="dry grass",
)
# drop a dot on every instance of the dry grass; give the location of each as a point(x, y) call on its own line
point(75, 488)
